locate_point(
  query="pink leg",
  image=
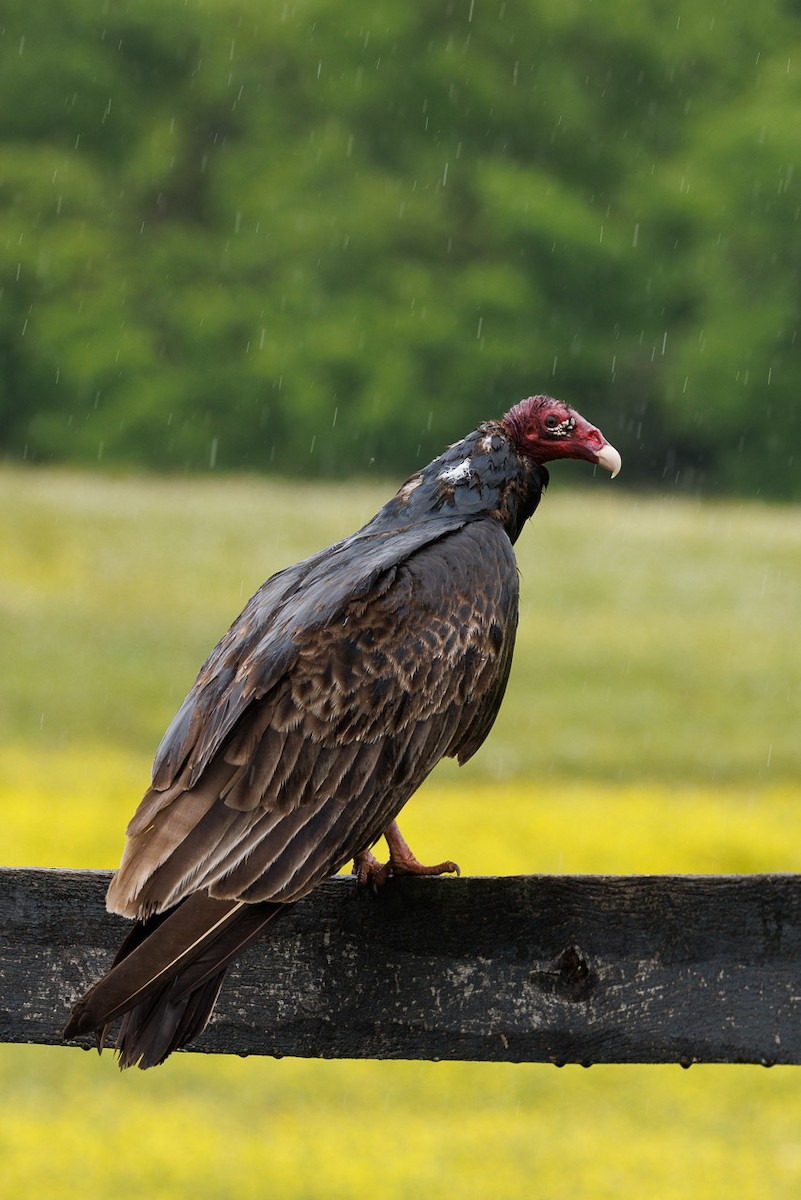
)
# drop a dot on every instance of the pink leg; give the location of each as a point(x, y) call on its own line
point(369, 871)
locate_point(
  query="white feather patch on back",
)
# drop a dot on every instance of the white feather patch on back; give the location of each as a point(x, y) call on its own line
point(455, 474)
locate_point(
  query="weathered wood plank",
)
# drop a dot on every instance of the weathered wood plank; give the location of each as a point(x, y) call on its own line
point(536, 968)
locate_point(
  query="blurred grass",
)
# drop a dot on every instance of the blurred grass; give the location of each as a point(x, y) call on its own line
point(650, 726)
point(656, 637)
point(314, 1130)
point(69, 808)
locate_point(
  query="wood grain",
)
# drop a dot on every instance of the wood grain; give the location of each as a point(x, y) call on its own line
point(586, 969)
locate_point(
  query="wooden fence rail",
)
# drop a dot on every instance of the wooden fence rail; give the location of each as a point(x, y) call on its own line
point(559, 969)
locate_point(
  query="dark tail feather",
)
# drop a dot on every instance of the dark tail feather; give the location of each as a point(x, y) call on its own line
point(167, 976)
point(154, 1028)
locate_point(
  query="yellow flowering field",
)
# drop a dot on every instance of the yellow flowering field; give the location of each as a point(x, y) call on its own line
point(211, 1127)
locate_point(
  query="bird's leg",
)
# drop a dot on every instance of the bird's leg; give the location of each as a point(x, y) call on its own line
point(403, 862)
point(369, 871)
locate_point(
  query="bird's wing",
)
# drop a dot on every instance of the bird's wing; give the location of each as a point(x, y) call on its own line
point(262, 645)
point(320, 759)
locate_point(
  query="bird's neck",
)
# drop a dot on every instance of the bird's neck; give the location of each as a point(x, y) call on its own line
point(482, 475)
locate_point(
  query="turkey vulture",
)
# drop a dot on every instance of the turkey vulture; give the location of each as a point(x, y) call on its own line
point(343, 682)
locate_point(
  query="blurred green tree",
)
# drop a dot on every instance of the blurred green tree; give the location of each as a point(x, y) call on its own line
point(323, 237)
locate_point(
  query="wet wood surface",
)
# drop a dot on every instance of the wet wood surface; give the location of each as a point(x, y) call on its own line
point(587, 969)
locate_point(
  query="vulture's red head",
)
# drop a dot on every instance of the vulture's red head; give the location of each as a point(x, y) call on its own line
point(545, 429)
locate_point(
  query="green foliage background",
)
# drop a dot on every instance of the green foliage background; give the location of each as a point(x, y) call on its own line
point(321, 237)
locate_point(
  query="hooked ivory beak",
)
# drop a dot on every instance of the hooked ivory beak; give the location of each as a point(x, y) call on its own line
point(609, 458)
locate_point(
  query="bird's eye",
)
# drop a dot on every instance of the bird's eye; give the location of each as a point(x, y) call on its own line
point(551, 422)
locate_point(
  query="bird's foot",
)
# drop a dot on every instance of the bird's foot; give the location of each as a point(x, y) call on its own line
point(369, 872)
point(374, 874)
